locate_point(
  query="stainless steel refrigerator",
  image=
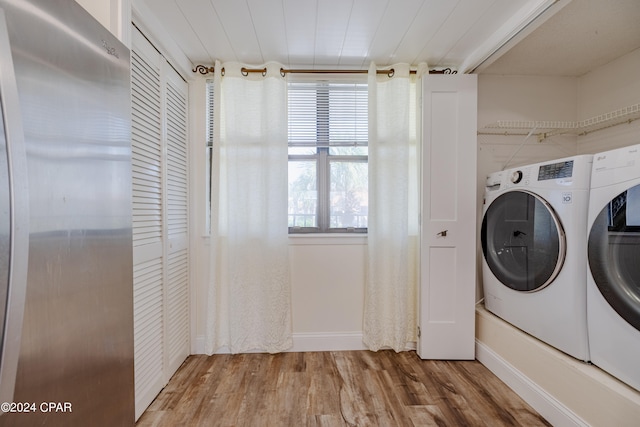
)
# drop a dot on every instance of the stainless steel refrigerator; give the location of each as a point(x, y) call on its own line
point(66, 293)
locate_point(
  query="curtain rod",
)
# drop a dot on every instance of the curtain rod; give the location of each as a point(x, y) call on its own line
point(204, 70)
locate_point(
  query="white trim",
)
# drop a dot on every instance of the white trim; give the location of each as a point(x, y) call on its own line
point(121, 20)
point(327, 239)
point(313, 341)
point(544, 403)
point(327, 341)
point(520, 25)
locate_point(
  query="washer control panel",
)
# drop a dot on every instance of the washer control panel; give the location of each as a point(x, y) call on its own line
point(556, 170)
point(569, 172)
point(516, 176)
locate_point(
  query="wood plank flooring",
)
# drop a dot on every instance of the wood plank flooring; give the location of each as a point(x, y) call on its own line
point(351, 388)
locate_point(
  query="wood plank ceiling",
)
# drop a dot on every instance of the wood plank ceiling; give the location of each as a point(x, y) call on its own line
point(340, 34)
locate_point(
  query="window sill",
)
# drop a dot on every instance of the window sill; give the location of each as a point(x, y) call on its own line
point(317, 239)
point(327, 239)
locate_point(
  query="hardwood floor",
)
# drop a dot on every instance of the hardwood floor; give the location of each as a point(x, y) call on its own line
point(351, 388)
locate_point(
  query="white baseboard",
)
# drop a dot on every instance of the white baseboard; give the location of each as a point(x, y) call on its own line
point(543, 402)
point(327, 341)
point(315, 341)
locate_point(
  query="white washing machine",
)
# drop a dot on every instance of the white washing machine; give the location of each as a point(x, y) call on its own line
point(534, 246)
point(613, 279)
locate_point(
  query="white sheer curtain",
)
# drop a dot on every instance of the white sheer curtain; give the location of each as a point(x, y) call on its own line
point(249, 301)
point(390, 308)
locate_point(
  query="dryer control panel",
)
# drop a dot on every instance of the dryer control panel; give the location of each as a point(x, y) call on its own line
point(619, 165)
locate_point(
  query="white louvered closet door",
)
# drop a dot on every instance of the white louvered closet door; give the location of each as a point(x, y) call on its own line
point(176, 214)
point(160, 220)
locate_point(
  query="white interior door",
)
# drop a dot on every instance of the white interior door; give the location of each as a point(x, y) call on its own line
point(177, 222)
point(448, 217)
point(148, 221)
point(160, 220)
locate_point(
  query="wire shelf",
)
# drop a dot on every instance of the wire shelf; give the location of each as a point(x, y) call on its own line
point(545, 129)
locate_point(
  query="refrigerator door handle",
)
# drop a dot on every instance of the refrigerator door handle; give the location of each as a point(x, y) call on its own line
point(19, 216)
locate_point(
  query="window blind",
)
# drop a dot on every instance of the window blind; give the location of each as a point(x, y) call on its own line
point(327, 114)
point(210, 112)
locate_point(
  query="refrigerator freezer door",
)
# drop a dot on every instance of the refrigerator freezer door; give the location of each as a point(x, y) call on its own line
point(14, 215)
point(73, 83)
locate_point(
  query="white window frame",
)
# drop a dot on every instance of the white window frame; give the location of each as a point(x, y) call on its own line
point(324, 158)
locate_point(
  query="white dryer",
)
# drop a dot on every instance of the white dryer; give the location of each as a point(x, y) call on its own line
point(534, 246)
point(613, 279)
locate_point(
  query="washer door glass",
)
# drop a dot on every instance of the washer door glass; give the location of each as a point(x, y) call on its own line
point(523, 241)
point(614, 254)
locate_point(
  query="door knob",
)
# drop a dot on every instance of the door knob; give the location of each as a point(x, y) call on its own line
point(443, 233)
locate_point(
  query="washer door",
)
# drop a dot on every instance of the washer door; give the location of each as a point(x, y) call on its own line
point(523, 241)
point(614, 254)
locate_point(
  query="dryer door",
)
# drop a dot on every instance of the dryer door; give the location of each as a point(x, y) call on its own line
point(523, 241)
point(614, 254)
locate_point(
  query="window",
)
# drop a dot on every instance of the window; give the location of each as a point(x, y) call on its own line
point(328, 172)
point(210, 120)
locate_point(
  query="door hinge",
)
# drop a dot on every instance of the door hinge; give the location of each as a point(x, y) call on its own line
point(419, 332)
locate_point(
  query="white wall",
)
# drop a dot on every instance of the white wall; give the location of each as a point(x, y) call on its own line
point(523, 98)
point(611, 87)
point(607, 88)
point(328, 276)
point(327, 295)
